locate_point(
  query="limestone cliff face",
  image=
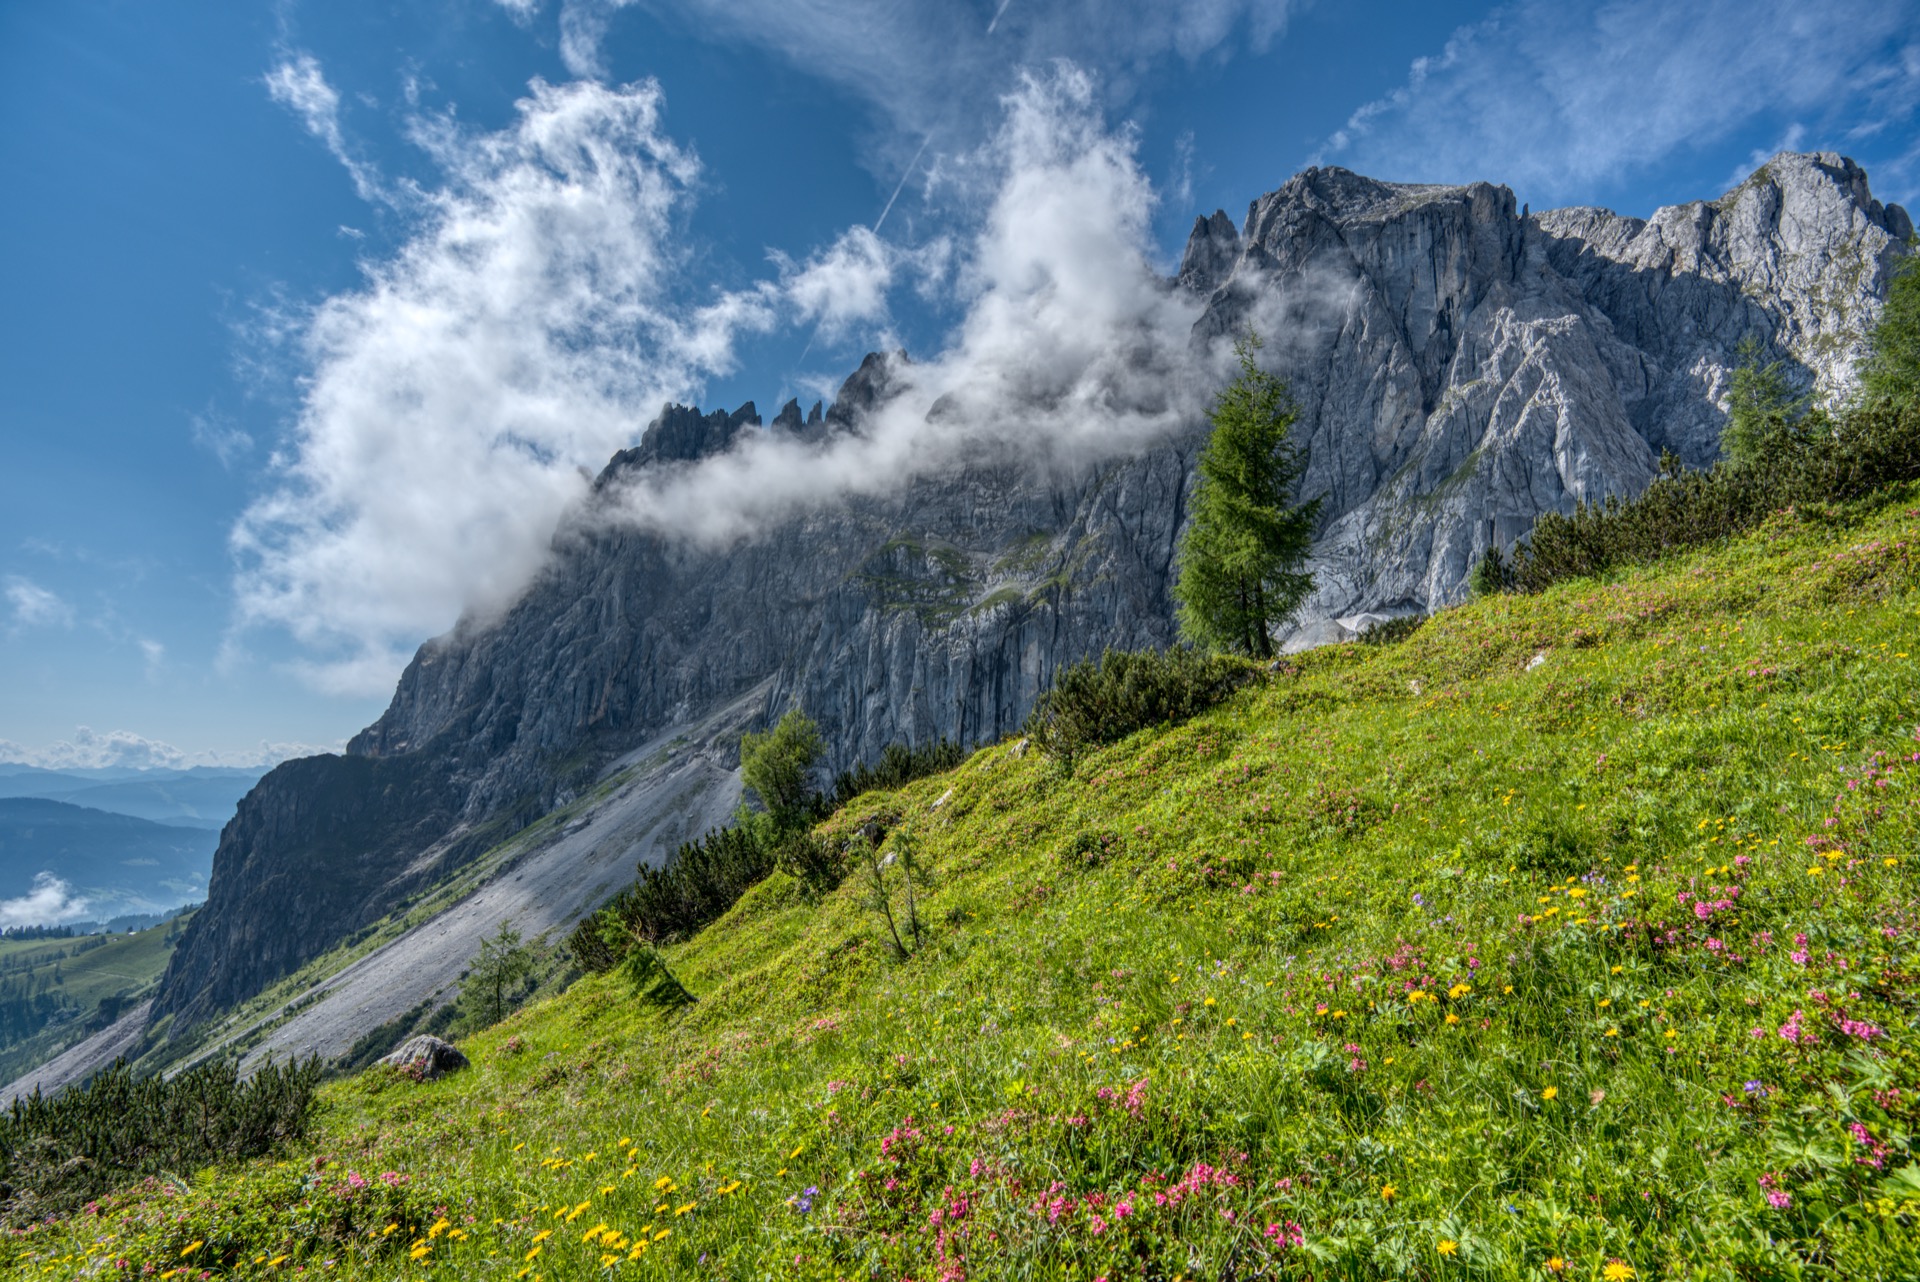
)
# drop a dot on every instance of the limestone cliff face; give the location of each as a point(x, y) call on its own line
point(1461, 367)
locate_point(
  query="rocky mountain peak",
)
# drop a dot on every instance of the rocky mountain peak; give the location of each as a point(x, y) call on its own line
point(1461, 367)
point(1211, 250)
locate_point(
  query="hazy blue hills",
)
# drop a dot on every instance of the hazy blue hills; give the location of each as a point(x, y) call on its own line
point(54, 854)
point(200, 797)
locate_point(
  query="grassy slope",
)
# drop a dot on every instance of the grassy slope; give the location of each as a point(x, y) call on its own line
point(1395, 966)
point(127, 965)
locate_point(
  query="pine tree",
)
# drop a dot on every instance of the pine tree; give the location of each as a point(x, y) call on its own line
point(1242, 559)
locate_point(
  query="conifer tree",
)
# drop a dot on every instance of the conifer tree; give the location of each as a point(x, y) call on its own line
point(1242, 559)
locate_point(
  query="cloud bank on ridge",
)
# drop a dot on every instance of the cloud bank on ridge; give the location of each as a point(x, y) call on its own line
point(456, 404)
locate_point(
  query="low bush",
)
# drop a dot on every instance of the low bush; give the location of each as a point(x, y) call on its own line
point(1094, 703)
point(1811, 459)
point(898, 766)
point(57, 1153)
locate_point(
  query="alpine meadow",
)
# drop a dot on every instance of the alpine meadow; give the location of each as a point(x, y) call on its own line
point(678, 640)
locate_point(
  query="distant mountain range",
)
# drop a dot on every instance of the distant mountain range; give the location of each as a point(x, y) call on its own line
point(60, 861)
point(200, 797)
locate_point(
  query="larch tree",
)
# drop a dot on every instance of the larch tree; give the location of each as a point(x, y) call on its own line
point(1242, 560)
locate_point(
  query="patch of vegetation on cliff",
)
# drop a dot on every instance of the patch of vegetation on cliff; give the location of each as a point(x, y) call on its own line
point(1572, 936)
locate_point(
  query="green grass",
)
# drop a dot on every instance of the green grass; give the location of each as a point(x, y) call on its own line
point(1425, 960)
point(90, 969)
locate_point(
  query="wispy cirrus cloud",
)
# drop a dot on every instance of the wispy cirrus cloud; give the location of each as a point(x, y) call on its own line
point(32, 606)
point(297, 83)
point(1559, 98)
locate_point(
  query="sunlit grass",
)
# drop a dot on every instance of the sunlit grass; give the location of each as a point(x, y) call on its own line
point(1572, 937)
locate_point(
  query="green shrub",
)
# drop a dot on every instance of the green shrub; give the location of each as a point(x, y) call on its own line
point(58, 1153)
point(702, 880)
point(1393, 631)
point(1093, 703)
point(898, 766)
point(1836, 460)
point(775, 765)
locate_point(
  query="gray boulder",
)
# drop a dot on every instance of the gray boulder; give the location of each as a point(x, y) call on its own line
point(427, 1057)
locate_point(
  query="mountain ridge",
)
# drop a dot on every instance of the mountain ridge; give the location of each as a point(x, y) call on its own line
point(1462, 366)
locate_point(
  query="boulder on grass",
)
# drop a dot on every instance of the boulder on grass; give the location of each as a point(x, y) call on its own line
point(424, 1057)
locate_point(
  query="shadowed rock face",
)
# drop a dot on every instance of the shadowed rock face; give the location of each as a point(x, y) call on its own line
point(1460, 366)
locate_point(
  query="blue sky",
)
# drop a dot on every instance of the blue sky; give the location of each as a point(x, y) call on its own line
point(311, 315)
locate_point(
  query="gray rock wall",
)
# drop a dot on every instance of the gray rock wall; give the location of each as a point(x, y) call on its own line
point(1461, 367)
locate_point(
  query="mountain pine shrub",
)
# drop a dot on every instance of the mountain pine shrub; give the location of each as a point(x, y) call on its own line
point(59, 1152)
point(1093, 703)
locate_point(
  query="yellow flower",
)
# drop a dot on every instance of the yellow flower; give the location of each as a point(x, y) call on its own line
point(1448, 1246)
point(1550, 1092)
point(1388, 1192)
point(542, 1236)
point(531, 1254)
point(190, 1248)
point(1452, 1018)
point(1556, 1265)
point(1458, 991)
point(1617, 1271)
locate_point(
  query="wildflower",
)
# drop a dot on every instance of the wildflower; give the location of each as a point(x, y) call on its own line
point(1556, 1265)
point(1617, 1271)
point(1448, 1246)
point(191, 1247)
point(1388, 1192)
point(1550, 1093)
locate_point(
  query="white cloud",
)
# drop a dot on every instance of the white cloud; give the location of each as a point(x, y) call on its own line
point(1555, 98)
point(1072, 348)
point(34, 606)
point(456, 405)
point(527, 328)
point(51, 902)
point(297, 83)
point(845, 286)
point(522, 10)
point(583, 25)
point(154, 653)
point(91, 749)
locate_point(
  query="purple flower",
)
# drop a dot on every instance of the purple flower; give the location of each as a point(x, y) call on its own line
point(804, 1202)
point(1755, 1088)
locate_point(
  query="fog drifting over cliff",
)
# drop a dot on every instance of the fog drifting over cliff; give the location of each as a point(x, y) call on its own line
point(538, 317)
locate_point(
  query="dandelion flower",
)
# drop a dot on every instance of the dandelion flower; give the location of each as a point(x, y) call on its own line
point(191, 1247)
point(1388, 1192)
point(1550, 1093)
point(1556, 1265)
point(1617, 1271)
point(1448, 1246)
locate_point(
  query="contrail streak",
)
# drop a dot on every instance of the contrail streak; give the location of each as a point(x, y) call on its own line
point(996, 15)
point(911, 165)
